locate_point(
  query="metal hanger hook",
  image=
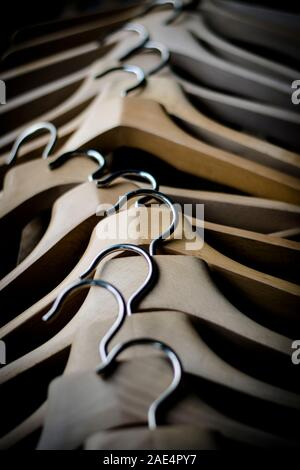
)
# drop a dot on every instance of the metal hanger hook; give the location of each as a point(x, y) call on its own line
point(171, 355)
point(39, 126)
point(164, 55)
point(143, 37)
point(139, 73)
point(176, 4)
point(84, 284)
point(154, 195)
point(106, 180)
point(90, 153)
point(154, 46)
point(147, 284)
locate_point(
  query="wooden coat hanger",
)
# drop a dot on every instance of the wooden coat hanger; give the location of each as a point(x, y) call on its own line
point(40, 30)
point(33, 149)
point(263, 215)
point(168, 93)
point(216, 261)
point(208, 418)
point(275, 256)
point(216, 426)
point(34, 186)
point(82, 31)
point(178, 436)
point(164, 91)
point(279, 125)
point(228, 138)
point(248, 83)
point(149, 324)
point(48, 101)
point(29, 180)
point(291, 234)
point(242, 326)
point(158, 133)
point(141, 329)
point(69, 112)
point(61, 341)
point(38, 72)
point(154, 22)
point(247, 145)
point(81, 207)
point(125, 113)
point(243, 212)
point(52, 43)
point(271, 18)
point(164, 437)
point(71, 235)
point(87, 418)
point(236, 54)
point(205, 252)
point(211, 70)
point(24, 76)
point(243, 24)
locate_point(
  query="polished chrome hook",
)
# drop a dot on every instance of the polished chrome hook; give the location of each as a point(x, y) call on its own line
point(83, 284)
point(164, 55)
point(39, 126)
point(147, 284)
point(90, 153)
point(143, 35)
point(154, 195)
point(106, 180)
point(127, 68)
point(173, 358)
point(176, 4)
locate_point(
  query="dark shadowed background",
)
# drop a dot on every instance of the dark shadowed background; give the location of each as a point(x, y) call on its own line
point(18, 14)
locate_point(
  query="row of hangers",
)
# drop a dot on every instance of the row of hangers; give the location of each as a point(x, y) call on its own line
point(240, 288)
point(49, 344)
point(79, 359)
point(186, 52)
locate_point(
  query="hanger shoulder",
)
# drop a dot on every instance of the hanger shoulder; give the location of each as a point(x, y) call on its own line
point(46, 351)
point(263, 289)
point(72, 37)
point(246, 280)
point(267, 253)
point(165, 437)
point(239, 55)
point(112, 392)
point(29, 179)
point(65, 238)
point(56, 101)
point(38, 30)
point(215, 71)
point(155, 133)
point(202, 289)
point(167, 92)
point(279, 125)
point(244, 212)
point(239, 27)
point(124, 418)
